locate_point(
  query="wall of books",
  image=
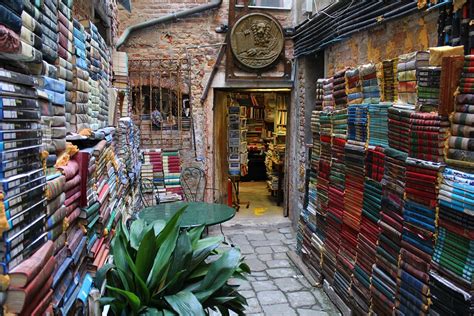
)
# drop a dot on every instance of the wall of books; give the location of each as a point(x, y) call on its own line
point(388, 225)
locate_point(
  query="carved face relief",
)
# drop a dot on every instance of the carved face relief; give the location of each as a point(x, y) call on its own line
point(256, 40)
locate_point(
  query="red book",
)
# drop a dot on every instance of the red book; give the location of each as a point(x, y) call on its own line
point(22, 274)
point(41, 301)
point(17, 298)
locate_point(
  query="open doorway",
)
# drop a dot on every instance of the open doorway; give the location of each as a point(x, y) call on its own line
point(250, 128)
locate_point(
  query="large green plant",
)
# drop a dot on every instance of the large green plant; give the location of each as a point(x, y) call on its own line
point(159, 269)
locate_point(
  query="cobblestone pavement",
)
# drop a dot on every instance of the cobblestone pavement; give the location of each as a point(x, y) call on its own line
point(276, 286)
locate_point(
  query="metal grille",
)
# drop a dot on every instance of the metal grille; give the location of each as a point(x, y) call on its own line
point(161, 102)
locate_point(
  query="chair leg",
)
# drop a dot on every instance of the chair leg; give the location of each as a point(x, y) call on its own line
point(223, 235)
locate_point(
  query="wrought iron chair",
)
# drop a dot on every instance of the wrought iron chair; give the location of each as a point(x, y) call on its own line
point(193, 181)
point(149, 192)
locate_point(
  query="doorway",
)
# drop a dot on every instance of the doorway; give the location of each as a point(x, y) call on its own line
point(250, 146)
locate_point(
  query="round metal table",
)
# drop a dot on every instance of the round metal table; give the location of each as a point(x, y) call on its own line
point(196, 213)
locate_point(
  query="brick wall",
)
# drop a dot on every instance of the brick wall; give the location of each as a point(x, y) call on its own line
point(180, 39)
point(414, 32)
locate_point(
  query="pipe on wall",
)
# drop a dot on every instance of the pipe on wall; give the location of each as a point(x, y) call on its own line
point(167, 18)
point(315, 38)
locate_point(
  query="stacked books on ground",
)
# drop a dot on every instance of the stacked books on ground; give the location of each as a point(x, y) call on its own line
point(165, 168)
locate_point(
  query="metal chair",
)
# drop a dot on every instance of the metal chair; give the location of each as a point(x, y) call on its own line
point(193, 181)
point(149, 192)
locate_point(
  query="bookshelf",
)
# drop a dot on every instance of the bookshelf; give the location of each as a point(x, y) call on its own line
point(275, 155)
point(237, 135)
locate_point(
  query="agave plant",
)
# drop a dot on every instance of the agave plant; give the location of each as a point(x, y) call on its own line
point(160, 269)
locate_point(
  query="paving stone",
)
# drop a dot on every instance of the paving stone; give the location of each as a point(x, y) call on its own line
point(279, 309)
point(258, 273)
point(259, 286)
point(243, 285)
point(321, 298)
point(281, 272)
point(286, 230)
point(255, 314)
point(256, 265)
point(260, 243)
point(310, 312)
point(290, 236)
point(303, 281)
point(278, 264)
point(262, 250)
point(288, 284)
point(262, 278)
point(256, 236)
point(274, 236)
point(300, 299)
point(253, 306)
point(265, 257)
point(271, 297)
point(240, 241)
point(280, 248)
point(251, 256)
point(289, 241)
point(247, 249)
point(280, 255)
point(247, 294)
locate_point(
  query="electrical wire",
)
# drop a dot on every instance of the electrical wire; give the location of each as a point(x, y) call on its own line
point(340, 13)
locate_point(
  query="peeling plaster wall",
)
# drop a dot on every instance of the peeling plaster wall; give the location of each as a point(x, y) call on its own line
point(414, 32)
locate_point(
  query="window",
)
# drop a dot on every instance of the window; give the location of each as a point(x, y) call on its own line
point(273, 4)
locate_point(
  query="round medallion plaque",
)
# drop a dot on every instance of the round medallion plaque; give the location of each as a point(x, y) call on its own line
point(257, 40)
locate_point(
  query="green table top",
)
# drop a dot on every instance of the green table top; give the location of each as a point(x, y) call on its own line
point(196, 213)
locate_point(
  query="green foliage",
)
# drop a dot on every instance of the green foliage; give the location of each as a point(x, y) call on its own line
point(161, 270)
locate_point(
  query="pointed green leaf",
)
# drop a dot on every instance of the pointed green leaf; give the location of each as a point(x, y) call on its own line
point(180, 260)
point(158, 226)
point(185, 303)
point(219, 272)
point(136, 233)
point(151, 312)
point(101, 274)
point(200, 271)
point(106, 300)
point(122, 229)
point(195, 234)
point(146, 254)
point(132, 299)
point(166, 242)
point(127, 266)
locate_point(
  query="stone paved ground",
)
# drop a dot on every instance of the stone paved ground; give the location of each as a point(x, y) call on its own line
point(276, 286)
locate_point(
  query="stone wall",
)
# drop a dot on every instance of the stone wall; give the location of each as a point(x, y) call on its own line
point(194, 38)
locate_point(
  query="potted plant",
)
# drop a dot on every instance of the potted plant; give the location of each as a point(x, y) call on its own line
point(160, 269)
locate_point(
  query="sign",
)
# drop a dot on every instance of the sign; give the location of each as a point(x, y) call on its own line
point(256, 41)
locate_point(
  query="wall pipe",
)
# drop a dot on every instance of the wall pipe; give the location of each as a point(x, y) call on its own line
point(317, 44)
point(314, 37)
point(167, 18)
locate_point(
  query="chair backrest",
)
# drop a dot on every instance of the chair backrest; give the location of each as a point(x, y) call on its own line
point(193, 181)
point(149, 192)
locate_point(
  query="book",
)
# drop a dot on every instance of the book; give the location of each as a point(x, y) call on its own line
point(17, 297)
point(28, 269)
point(41, 301)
